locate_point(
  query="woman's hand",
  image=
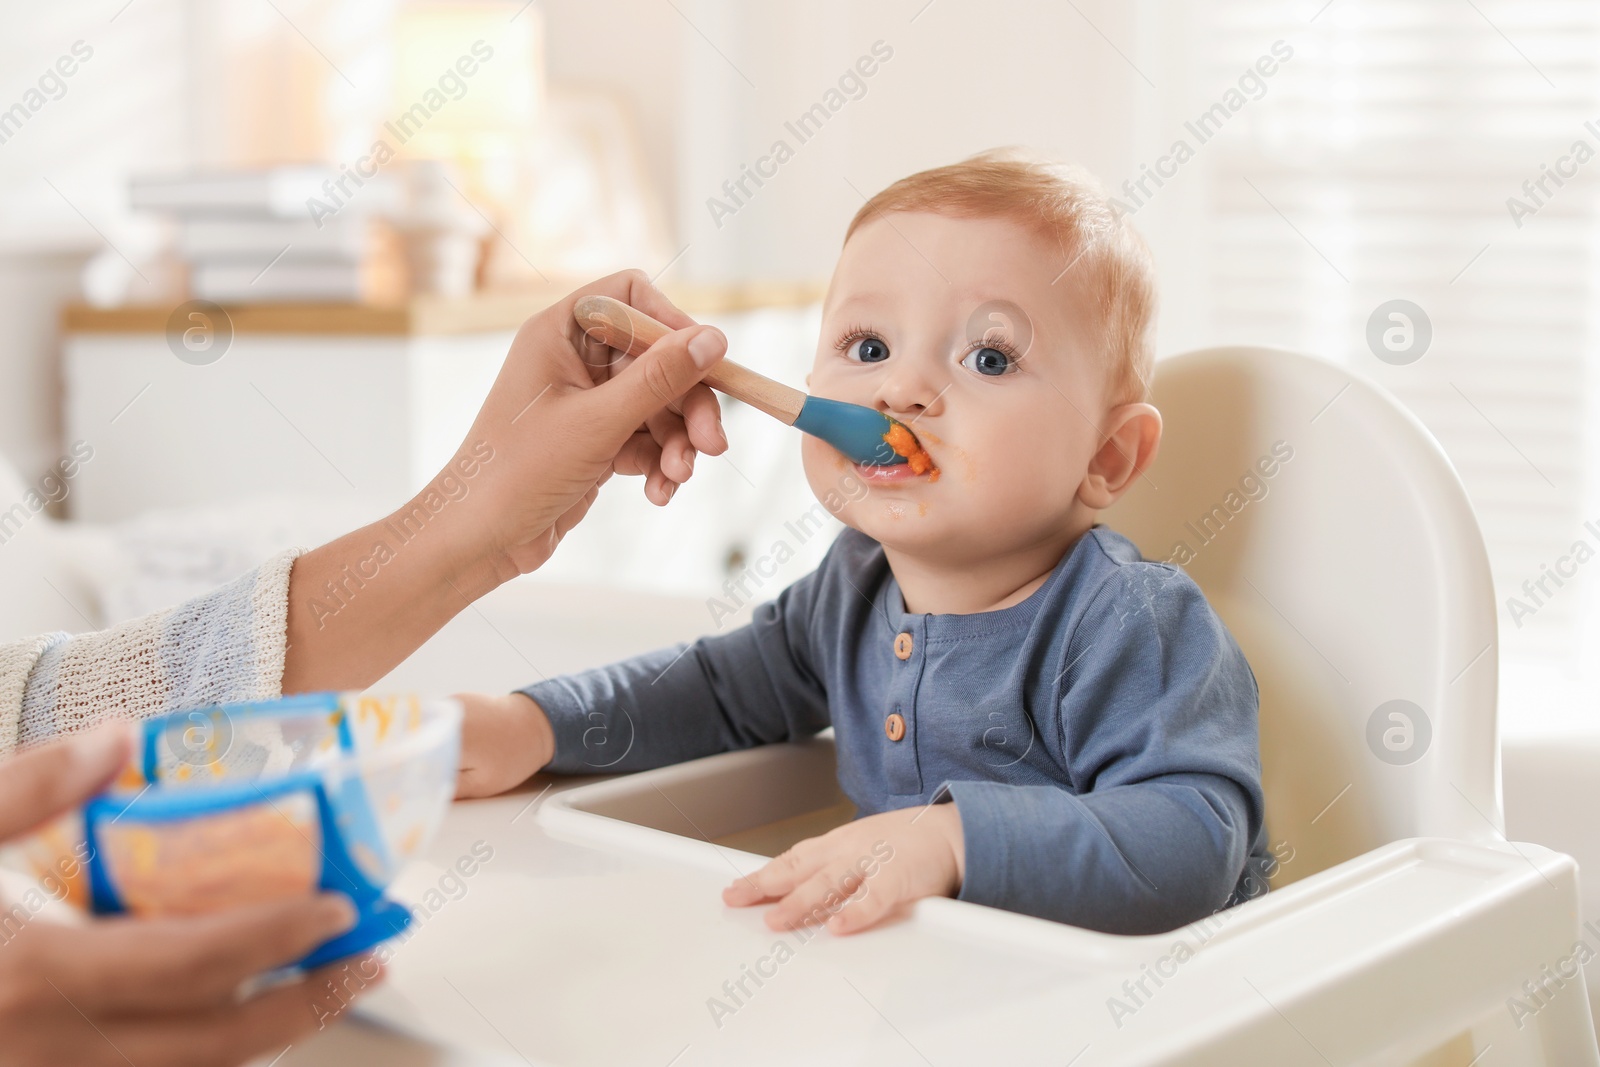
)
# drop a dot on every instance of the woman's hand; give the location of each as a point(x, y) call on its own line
point(564, 415)
point(567, 412)
point(852, 877)
point(505, 740)
point(151, 992)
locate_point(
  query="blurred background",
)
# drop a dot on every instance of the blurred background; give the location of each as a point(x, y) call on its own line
point(368, 195)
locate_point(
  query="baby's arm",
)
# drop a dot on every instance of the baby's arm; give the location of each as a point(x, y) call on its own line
point(1160, 737)
point(505, 740)
point(751, 686)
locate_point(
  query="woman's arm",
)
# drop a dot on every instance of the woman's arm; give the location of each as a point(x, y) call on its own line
point(564, 414)
point(226, 645)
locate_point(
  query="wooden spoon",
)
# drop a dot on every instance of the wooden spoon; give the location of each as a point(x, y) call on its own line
point(865, 436)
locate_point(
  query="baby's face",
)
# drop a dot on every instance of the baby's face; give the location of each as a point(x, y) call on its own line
point(965, 330)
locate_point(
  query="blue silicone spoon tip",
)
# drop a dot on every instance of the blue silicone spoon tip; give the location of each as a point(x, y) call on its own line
point(852, 429)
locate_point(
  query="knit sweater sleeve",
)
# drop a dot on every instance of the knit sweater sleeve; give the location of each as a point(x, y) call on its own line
point(227, 645)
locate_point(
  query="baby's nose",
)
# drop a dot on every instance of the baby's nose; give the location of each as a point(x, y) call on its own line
point(911, 391)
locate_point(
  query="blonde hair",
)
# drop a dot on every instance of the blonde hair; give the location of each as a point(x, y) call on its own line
point(1108, 258)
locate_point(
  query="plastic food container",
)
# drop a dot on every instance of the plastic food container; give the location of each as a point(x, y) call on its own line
point(244, 803)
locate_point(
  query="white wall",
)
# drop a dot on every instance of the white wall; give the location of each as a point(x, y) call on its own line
point(632, 50)
point(961, 79)
point(1022, 73)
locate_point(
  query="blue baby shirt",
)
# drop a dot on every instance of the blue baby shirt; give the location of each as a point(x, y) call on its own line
point(1099, 739)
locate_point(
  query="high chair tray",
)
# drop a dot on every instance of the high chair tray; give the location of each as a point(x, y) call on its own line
point(551, 929)
point(1405, 955)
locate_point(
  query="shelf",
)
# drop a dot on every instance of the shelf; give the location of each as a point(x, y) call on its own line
point(426, 315)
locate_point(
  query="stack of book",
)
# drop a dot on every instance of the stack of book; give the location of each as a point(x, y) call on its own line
point(282, 234)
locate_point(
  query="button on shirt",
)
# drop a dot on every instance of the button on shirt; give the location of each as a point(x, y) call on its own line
point(1099, 739)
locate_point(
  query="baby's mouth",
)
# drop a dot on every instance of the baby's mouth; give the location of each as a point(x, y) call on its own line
point(905, 445)
point(899, 474)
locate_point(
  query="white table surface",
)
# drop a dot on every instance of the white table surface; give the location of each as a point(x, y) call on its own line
point(561, 953)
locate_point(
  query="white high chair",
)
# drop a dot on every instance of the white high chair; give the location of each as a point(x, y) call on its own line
point(1361, 578)
point(1402, 928)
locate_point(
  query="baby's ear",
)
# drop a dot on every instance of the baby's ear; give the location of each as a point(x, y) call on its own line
point(1127, 448)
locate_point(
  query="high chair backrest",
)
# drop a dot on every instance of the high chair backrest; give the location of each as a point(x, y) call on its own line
point(1330, 532)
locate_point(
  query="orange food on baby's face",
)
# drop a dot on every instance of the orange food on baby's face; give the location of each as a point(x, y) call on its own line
point(904, 442)
point(901, 439)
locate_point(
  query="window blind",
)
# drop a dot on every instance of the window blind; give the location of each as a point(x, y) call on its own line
point(1379, 165)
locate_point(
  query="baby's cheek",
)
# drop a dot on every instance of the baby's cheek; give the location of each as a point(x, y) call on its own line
point(1016, 496)
point(827, 472)
point(824, 466)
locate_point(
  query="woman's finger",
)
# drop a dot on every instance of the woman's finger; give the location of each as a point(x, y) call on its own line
point(702, 415)
point(639, 455)
point(659, 489)
point(632, 287)
point(664, 373)
point(642, 455)
point(697, 419)
point(172, 964)
point(677, 454)
point(43, 782)
point(264, 1025)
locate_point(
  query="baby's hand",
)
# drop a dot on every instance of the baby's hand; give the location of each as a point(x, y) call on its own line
point(850, 878)
point(505, 740)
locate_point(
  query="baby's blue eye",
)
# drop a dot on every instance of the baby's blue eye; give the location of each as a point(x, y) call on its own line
point(990, 361)
point(869, 350)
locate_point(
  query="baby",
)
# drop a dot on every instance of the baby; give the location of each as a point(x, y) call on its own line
point(1027, 713)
